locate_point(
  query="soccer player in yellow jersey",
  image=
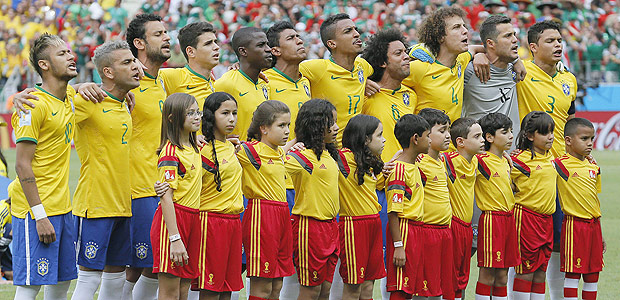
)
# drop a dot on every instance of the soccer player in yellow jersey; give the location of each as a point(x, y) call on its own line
point(150, 44)
point(497, 235)
point(579, 182)
point(43, 229)
point(466, 135)
point(314, 171)
point(267, 232)
point(254, 54)
point(340, 79)
point(438, 273)
point(534, 181)
point(439, 83)
point(200, 47)
point(102, 200)
point(361, 256)
point(6, 237)
point(406, 211)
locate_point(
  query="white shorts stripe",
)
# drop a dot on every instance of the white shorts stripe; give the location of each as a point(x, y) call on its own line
point(27, 236)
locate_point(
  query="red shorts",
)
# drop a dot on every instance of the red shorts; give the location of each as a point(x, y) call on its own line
point(361, 255)
point(220, 253)
point(405, 278)
point(498, 246)
point(581, 245)
point(188, 225)
point(462, 237)
point(268, 239)
point(438, 272)
point(315, 250)
point(535, 234)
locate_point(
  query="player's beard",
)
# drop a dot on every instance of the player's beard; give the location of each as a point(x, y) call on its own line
point(156, 55)
point(62, 73)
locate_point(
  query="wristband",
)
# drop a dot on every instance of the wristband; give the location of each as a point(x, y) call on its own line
point(174, 237)
point(38, 211)
point(398, 244)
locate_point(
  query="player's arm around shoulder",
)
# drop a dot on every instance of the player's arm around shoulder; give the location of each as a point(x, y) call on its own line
point(83, 108)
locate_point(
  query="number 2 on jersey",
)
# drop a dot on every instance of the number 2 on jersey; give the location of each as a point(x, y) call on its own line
point(123, 141)
point(351, 105)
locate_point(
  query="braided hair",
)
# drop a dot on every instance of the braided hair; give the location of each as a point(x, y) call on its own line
point(212, 104)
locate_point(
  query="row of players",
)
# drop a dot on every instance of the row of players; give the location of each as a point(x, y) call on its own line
point(342, 80)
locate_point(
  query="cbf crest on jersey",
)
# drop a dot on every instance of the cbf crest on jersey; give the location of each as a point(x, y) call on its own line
point(406, 98)
point(307, 90)
point(458, 70)
point(514, 76)
point(142, 250)
point(360, 75)
point(91, 250)
point(265, 93)
point(566, 89)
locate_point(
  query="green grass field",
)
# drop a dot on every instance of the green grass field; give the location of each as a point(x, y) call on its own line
point(608, 284)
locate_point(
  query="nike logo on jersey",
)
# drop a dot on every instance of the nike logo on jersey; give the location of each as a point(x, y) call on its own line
point(535, 80)
point(54, 113)
point(280, 91)
point(334, 78)
point(435, 77)
point(242, 94)
point(191, 87)
point(106, 111)
point(142, 90)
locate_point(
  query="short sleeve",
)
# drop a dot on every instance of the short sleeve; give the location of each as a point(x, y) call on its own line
point(312, 69)
point(292, 166)
point(469, 71)
point(417, 71)
point(27, 126)
point(224, 83)
point(167, 167)
point(395, 191)
point(465, 58)
point(170, 79)
point(83, 109)
point(368, 69)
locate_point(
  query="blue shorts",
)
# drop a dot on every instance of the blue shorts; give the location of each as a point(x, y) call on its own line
point(143, 210)
point(36, 263)
point(290, 198)
point(245, 205)
point(103, 242)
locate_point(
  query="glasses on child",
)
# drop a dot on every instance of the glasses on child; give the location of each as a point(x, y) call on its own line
point(194, 113)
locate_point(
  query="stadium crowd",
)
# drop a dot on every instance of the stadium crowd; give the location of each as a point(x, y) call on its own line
point(591, 29)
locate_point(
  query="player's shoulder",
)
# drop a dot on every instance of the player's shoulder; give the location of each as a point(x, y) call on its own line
point(464, 57)
point(314, 64)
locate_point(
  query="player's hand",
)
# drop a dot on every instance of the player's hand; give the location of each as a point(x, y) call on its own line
point(514, 152)
point(178, 254)
point(161, 188)
point(235, 140)
point(262, 76)
point(200, 140)
point(141, 68)
point(131, 101)
point(482, 67)
point(604, 246)
point(561, 67)
point(297, 147)
point(519, 69)
point(92, 92)
point(235, 66)
point(46, 232)
point(399, 257)
point(591, 159)
point(371, 88)
point(20, 99)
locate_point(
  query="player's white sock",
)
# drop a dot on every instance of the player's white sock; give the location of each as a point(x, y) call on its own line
point(87, 285)
point(194, 295)
point(571, 286)
point(57, 291)
point(521, 289)
point(555, 278)
point(483, 291)
point(509, 285)
point(235, 295)
point(384, 293)
point(27, 292)
point(538, 291)
point(128, 290)
point(145, 289)
point(290, 288)
point(335, 293)
point(112, 285)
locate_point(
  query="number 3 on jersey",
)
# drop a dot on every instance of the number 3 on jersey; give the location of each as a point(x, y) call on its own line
point(354, 101)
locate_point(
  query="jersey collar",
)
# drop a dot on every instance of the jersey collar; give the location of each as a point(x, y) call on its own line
point(149, 75)
point(248, 77)
point(112, 96)
point(38, 87)
point(196, 73)
point(286, 76)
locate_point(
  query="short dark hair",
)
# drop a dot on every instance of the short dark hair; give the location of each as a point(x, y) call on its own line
point(491, 123)
point(137, 29)
point(328, 32)
point(488, 29)
point(273, 36)
point(433, 28)
point(533, 34)
point(408, 126)
point(242, 38)
point(38, 50)
point(376, 52)
point(434, 116)
point(571, 126)
point(188, 35)
point(460, 128)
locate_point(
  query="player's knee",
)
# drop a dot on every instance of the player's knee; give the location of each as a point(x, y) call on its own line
point(501, 277)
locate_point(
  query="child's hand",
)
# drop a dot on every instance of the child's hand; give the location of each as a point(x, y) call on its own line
point(161, 188)
point(507, 156)
point(389, 166)
point(604, 246)
point(297, 147)
point(178, 254)
point(200, 140)
point(591, 159)
point(399, 257)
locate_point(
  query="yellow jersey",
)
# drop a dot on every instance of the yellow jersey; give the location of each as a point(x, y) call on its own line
point(535, 180)
point(248, 94)
point(551, 94)
point(439, 86)
point(343, 88)
point(316, 184)
point(146, 127)
point(293, 93)
point(230, 199)
point(404, 192)
point(387, 106)
point(263, 171)
point(492, 189)
point(50, 125)
point(355, 199)
point(181, 169)
point(3, 170)
point(102, 138)
point(579, 183)
point(185, 80)
point(437, 208)
point(461, 181)
point(5, 215)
